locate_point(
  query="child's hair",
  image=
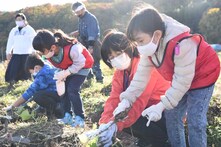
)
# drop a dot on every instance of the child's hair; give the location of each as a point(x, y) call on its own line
point(117, 41)
point(146, 20)
point(45, 39)
point(32, 61)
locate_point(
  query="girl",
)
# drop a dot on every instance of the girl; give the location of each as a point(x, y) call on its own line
point(186, 60)
point(119, 53)
point(19, 46)
point(74, 61)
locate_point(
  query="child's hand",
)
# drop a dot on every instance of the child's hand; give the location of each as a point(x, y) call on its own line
point(62, 75)
point(8, 108)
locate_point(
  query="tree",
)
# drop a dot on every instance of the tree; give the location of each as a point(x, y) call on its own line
point(210, 25)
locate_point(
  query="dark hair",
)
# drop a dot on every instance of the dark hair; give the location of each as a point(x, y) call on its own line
point(32, 61)
point(117, 41)
point(22, 15)
point(146, 20)
point(45, 39)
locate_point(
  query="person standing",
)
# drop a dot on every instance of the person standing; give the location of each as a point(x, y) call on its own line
point(19, 46)
point(89, 33)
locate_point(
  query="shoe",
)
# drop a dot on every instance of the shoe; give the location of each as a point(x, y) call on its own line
point(67, 120)
point(78, 122)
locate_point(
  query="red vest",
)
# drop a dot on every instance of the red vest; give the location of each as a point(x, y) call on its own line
point(67, 61)
point(207, 63)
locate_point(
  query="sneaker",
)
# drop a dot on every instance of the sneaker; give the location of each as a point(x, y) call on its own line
point(78, 122)
point(67, 119)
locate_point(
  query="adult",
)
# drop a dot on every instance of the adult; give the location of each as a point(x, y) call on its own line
point(89, 34)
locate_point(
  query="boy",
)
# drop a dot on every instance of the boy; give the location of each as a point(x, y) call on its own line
point(43, 88)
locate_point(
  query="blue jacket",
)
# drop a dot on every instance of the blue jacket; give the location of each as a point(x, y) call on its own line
point(42, 81)
point(88, 27)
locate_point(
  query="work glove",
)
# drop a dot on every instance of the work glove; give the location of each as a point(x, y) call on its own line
point(154, 112)
point(62, 75)
point(60, 86)
point(122, 106)
point(107, 133)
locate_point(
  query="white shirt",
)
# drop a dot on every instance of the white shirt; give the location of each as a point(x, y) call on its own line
point(20, 42)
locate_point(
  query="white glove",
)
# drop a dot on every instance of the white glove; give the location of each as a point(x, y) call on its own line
point(154, 112)
point(60, 86)
point(107, 132)
point(61, 75)
point(8, 108)
point(122, 106)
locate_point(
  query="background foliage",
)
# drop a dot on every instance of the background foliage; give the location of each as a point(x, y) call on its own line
point(116, 14)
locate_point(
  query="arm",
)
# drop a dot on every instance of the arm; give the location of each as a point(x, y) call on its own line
point(38, 84)
point(139, 81)
point(32, 34)
point(10, 42)
point(113, 100)
point(20, 101)
point(92, 30)
point(77, 58)
point(184, 72)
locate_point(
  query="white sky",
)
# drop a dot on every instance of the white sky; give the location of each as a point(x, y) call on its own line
point(13, 5)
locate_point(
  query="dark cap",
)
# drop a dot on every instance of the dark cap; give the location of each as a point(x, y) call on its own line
point(22, 15)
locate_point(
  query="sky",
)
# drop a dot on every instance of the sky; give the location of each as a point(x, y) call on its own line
point(14, 5)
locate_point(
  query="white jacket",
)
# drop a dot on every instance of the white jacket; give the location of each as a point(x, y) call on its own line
point(20, 42)
point(183, 72)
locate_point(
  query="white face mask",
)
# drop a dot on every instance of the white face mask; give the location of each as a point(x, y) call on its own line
point(20, 23)
point(148, 49)
point(34, 74)
point(121, 62)
point(50, 54)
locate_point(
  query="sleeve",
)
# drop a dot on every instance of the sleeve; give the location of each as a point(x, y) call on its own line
point(77, 58)
point(10, 42)
point(140, 104)
point(32, 34)
point(38, 84)
point(113, 100)
point(92, 30)
point(184, 72)
point(139, 81)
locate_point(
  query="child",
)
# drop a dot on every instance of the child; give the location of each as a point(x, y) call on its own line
point(186, 60)
point(74, 61)
point(118, 52)
point(43, 88)
point(17, 52)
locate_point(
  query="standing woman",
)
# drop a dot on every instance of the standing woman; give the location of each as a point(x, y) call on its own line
point(75, 62)
point(19, 46)
point(186, 60)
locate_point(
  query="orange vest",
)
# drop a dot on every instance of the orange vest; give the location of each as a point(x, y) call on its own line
point(67, 61)
point(207, 63)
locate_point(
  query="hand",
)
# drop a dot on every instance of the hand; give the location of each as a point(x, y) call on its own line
point(60, 86)
point(154, 112)
point(90, 49)
point(61, 75)
point(8, 56)
point(8, 108)
point(107, 132)
point(122, 106)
